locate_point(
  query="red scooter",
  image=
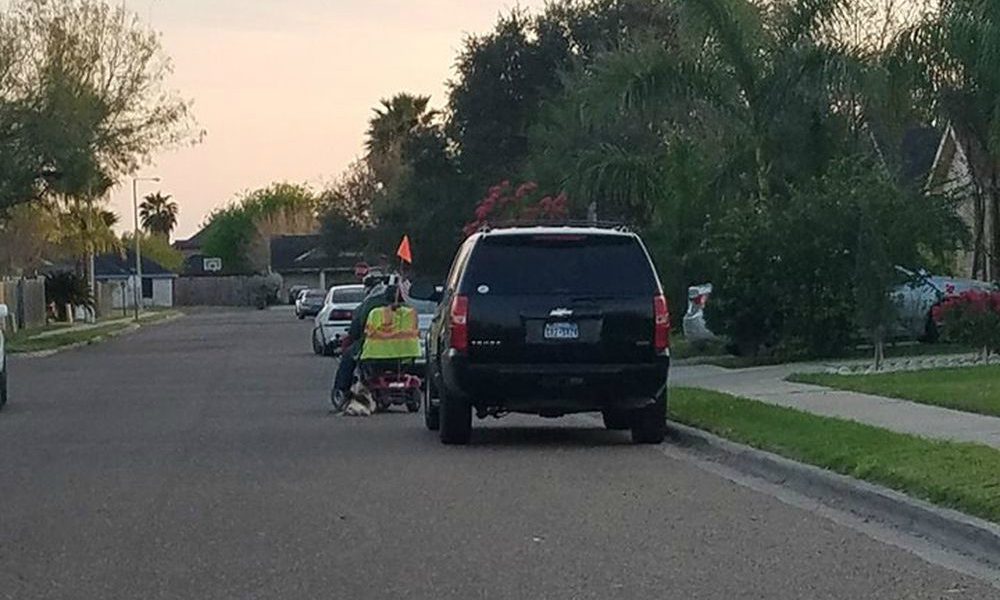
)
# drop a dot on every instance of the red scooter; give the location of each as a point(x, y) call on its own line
point(391, 385)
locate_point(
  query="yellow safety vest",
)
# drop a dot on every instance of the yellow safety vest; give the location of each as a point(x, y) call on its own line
point(391, 334)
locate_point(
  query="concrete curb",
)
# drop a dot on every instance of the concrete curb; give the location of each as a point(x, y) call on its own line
point(131, 328)
point(956, 531)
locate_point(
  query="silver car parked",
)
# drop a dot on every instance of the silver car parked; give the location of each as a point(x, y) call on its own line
point(916, 293)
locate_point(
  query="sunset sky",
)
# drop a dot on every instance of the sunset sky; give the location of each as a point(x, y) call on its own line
point(284, 88)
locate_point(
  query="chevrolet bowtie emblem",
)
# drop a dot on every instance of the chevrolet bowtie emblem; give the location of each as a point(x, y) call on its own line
point(561, 312)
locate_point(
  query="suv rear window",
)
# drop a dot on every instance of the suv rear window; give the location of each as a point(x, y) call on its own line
point(543, 264)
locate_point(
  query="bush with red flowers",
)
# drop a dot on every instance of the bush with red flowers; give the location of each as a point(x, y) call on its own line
point(971, 318)
point(506, 204)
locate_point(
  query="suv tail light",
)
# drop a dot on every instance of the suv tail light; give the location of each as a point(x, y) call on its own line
point(460, 324)
point(661, 331)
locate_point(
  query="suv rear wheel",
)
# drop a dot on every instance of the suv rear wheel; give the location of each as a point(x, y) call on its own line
point(455, 421)
point(432, 415)
point(649, 424)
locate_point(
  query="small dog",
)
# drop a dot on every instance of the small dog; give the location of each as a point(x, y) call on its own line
point(361, 403)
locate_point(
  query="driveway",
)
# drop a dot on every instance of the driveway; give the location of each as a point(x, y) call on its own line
point(196, 459)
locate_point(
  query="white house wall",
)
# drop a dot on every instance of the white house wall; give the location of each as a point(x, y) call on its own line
point(163, 294)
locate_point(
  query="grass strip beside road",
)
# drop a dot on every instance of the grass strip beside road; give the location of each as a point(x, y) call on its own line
point(21, 342)
point(54, 337)
point(972, 389)
point(951, 474)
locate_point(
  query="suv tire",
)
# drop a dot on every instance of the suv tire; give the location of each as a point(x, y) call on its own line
point(455, 421)
point(649, 424)
point(616, 420)
point(432, 414)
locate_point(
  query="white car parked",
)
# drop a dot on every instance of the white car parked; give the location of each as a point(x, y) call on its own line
point(334, 319)
point(3, 358)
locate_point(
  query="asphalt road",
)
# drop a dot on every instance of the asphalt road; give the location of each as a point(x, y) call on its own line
point(196, 459)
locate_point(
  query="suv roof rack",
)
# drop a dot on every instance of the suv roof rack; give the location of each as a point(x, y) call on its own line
point(612, 225)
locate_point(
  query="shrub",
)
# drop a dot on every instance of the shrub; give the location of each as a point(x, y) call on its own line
point(505, 204)
point(67, 288)
point(971, 318)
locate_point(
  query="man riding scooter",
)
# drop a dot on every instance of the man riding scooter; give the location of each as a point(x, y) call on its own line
point(382, 329)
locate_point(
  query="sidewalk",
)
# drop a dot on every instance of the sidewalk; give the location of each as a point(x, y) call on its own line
point(767, 384)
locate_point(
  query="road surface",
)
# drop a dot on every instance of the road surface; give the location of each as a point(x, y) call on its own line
point(197, 459)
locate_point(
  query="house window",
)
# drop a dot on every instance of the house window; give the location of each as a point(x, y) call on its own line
point(147, 287)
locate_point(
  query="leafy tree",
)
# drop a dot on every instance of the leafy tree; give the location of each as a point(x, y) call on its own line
point(157, 248)
point(66, 288)
point(429, 203)
point(158, 214)
point(240, 233)
point(82, 99)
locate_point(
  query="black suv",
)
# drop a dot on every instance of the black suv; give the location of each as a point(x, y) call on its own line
point(550, 321)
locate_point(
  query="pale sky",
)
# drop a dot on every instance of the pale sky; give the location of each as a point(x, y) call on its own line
point(284, 88)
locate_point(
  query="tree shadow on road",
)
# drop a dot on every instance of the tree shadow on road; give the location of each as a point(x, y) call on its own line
point(528, 437)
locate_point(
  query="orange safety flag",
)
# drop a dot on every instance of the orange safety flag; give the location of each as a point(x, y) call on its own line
point(404, 250)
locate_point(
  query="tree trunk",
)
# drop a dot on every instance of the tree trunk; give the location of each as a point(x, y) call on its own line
point(979, 241)
point(993, 250)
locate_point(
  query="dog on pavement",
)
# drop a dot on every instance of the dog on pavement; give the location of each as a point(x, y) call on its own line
point(361, 403)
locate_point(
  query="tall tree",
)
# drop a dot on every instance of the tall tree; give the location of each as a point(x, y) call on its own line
point(158, 214)
point(395, 120)
point(957, 49)
point(82, 98)
point(240, 233)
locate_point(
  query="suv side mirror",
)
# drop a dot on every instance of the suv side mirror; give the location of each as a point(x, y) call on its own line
point(423, 290)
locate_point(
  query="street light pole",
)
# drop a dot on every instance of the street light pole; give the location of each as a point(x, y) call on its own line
point(137, 286)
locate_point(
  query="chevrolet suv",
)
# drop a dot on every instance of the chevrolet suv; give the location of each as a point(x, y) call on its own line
point(549, 321)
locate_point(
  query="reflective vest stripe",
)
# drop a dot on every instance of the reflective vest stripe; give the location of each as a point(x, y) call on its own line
point(391, 334)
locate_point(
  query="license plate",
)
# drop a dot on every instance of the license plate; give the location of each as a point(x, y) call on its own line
point(562, 331)
point(397, 385)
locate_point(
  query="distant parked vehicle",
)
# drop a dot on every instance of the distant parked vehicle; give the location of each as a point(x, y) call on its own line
point(915, 293)
point(309, 303)
point(294, 291)
point(3, 358)
point(333, 321)
point(695, 328)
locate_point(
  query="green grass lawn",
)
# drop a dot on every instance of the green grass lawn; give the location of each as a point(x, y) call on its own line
point(25, 341)
point(955, 475)
point(972, 389)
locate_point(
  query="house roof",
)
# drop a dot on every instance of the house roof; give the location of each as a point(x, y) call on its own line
point(192, 243)
point(115, 266)
point(305, 253)
point(955, 142)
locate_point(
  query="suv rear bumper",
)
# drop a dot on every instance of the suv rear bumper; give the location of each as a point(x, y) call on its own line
point(555, 386)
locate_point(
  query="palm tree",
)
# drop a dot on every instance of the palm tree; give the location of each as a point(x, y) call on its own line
point(394, 122)
point(158, 214)
point(957, 52)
